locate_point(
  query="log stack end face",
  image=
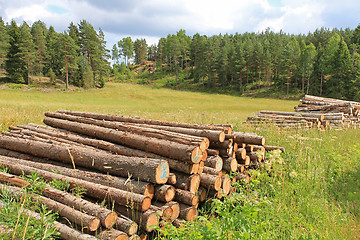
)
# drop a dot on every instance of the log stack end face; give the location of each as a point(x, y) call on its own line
point(196, 155)
point(162, 172)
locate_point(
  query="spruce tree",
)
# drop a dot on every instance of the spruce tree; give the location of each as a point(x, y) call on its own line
point(4, 43)
point(26, 50)
point(14, 65)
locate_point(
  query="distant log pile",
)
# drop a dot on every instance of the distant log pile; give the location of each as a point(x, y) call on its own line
point(149, 172)
point(312, 112)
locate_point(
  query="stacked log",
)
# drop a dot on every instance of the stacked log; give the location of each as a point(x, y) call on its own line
point(312, 112)
point(337, 113)
point(149, 171)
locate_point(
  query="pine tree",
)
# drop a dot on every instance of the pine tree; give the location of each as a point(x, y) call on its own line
point(39, 32)
point(14, 66)
point(126, 49)
point(26, 50)
point(68, 51)
point(4, 43)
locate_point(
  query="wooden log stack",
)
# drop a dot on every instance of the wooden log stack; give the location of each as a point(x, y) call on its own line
point(149, 172)
point(312, 112)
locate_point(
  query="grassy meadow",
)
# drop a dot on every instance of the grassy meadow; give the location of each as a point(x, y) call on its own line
point(312, 192)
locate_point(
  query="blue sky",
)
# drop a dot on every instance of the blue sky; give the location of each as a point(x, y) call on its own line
point(152, 19)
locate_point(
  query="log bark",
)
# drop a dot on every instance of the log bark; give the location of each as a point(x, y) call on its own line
point(164, 193)
point(212, 152)
point(174, 206)
point(165, 148)
point(112, 234)
point(142, 120)
point(65, 231)
point(187, 182)
point(126, 225)
point(240, 154)
point(146, 169)
point(202, 194)
point(186, 197)
point(144, 130)
point(212, 171)
point(165, 211)
point(13, 180)
point(210, 181)
point(187, 212)
point(271, 148)
point(230, 164)
point(312, 115)
point(215, 162)
point(172, 179)
point(107, 217)
point(83, 139)
point(146, 220)
point(249, 138)
point(84, 220)
point(94, 190)
point(126, 184)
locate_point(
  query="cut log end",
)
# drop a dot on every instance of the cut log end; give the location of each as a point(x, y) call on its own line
point(170, 194)
point(95, 223)
point(196, 155)
point(191, 214)
point(226, 185)
point(151, 222)
point(149, 191)
point(146, 204)
point(133, 228)
point(162, 172)
point(110, 220)
point(167, 213)
point(233, 165)
point(222, 136)
point(113, 234)
point(217, 184)
point(194, 183)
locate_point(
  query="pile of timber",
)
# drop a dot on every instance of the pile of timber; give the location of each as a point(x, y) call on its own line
point(312, 112)
point(338, 113)
point(149, 172)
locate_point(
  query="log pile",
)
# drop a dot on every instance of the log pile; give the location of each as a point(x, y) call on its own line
point(337, 113)
point(149, 172)
point(312, 112)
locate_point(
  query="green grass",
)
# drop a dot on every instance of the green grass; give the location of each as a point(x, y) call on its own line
point(313, 194)
point(21, 106)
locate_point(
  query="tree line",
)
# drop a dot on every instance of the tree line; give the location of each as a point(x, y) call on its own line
point(324, 62)
point(78, 55)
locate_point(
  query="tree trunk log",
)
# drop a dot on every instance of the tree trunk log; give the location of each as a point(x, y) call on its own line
point(164, 193)
point(146, 220)
point(210, 181)
point(186, 197)
point(215, 162)
point(112, 234)
point(187, 212)
point(230, 164)
point(107, 218)
point(94, 190)
point(165, 148)
point(65, 231)
point(134, 186)
point(126, 225)
point(144, 130)
point(152, 170)
point(249, 138)
point(84, 220)
point(143, 121)
point(187, 182)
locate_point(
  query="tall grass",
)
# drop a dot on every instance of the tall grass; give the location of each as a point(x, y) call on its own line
point(313, 193)
point(19, 106)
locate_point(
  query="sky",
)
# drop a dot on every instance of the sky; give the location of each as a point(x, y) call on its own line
point(153, 19)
